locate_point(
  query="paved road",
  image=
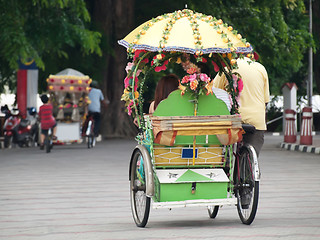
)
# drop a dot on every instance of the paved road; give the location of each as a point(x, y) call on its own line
point(79, 193)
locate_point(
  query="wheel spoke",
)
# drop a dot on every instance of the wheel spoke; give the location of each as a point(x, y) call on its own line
point(246, 189)
point(140, 203)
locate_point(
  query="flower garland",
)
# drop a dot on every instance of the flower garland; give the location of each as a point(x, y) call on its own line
point(195, 81)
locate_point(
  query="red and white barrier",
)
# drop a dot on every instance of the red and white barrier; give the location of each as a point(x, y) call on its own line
point(290, 133)
point(306, 126)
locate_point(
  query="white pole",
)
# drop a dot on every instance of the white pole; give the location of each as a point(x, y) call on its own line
point(310, 81)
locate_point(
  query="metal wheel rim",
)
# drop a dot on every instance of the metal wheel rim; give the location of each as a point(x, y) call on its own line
point(247, 214)
point(140, 203)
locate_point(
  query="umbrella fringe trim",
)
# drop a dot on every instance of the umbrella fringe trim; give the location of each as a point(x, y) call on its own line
point(183, 49)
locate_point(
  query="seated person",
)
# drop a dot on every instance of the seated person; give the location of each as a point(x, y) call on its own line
point(165, 86)
point(46, 119)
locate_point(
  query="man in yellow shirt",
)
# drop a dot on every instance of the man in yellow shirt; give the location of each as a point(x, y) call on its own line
point(253, 98)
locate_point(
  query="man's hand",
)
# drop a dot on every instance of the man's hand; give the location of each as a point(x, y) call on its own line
point(105, 102)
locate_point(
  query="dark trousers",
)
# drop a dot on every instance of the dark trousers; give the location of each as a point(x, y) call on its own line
point(255, 139)
point(97, 121)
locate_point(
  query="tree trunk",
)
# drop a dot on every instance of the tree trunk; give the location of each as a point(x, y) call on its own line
point(115, 18)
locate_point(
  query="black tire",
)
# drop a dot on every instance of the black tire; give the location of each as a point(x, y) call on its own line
point(140, 203)
point(47, 144)
point(30, 142)
point(246, 188)
point(213, 211)
point(7, 141)
point(90, 141)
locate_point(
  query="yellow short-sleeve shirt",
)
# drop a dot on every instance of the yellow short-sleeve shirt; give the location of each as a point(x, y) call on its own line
point(255, 93)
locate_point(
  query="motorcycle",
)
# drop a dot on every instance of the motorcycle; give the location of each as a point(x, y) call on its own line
point(19, 131)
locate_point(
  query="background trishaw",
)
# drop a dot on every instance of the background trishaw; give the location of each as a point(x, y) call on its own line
point(189, 151)
point(69, 96)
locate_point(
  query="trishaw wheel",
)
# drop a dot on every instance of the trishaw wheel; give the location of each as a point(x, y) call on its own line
point(246, 188)
point(213, 211)
point(140, 203)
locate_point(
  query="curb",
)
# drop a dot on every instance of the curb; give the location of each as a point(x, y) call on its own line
point(301, 148)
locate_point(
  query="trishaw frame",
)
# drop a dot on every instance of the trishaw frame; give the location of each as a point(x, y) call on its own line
point(146, 180)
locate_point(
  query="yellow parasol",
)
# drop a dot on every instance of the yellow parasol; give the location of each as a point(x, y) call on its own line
point(186, 31)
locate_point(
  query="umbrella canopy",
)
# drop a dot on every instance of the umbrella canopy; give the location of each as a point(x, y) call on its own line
point(186, 31)
point(70, 72)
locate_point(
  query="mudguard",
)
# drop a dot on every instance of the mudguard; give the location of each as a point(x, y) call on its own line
point(148, 169)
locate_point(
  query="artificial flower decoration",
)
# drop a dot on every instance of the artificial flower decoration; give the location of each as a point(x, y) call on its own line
point(138, 54)
point(196, 83)
point(157, 60)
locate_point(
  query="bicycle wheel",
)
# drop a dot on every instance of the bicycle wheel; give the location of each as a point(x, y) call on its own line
point(140, 203)
point(89, 141)
point(246, 188)
point(90, 134)
point(213, 211)
point(47, 144)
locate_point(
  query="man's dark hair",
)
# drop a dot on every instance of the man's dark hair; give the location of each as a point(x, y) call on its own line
point(94, 84)
point(44, 98)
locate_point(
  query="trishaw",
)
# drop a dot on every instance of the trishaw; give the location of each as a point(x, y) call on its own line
point(189, 151)
point(69, 96)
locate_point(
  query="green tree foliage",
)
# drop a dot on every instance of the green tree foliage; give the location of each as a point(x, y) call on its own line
point(38, 28)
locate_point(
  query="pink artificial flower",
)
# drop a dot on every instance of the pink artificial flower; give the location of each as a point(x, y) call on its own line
point(192, 77)
point(129, 108)
point(129, 67)
point(240, 85)
point(127, 82)
point(216, 67)
point(204, 77)
point(235, 81)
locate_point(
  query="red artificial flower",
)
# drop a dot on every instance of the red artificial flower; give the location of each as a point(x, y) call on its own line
point(138, 54)
point(185, 79)
point(191, 70)
point(216, 67)
point(204, 60)
point(161, 68)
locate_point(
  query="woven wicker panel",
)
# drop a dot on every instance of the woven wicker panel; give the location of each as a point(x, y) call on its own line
point(171, 156)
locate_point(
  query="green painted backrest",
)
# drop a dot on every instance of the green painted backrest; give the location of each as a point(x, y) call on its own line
point(177, 105)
